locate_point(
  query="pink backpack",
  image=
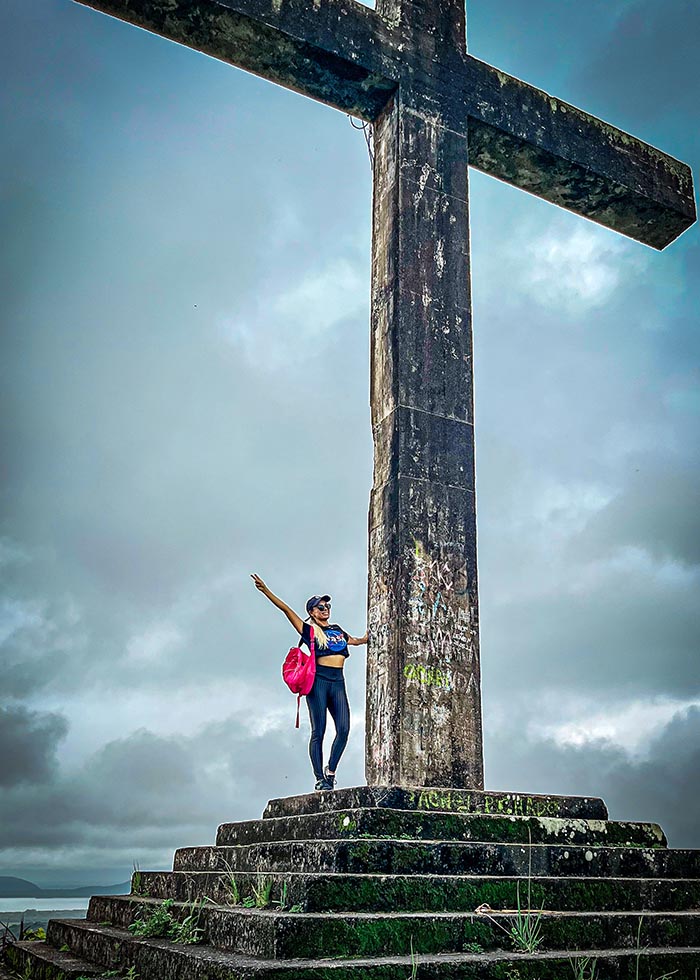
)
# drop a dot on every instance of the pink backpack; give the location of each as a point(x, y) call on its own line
point(299, 671)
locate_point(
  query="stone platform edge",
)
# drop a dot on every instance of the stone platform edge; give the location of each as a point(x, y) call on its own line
point(447, 800)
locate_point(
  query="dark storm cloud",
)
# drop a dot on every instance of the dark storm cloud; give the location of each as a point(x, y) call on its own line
point(655, 509)
point(28, 742)
point(139, 797)
point(655, 43)
point(661, 786)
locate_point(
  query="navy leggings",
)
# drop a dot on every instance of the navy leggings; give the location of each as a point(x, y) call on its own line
point(328, 694)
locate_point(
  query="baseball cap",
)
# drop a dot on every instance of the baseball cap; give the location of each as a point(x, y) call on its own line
point(314, 601)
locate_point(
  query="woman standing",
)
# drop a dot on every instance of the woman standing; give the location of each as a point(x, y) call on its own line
point(328, 693)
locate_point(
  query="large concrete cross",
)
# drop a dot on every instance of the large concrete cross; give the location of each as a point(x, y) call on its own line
point(435, 111)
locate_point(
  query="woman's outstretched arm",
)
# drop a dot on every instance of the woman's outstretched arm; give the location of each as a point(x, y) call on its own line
point(354, 641)
point(293, 618)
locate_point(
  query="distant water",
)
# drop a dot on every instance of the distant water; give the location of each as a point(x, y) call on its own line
point(42, 904)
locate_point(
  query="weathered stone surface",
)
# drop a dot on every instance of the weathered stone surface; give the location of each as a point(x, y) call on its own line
point(271, 934)
point(384, 823)
point(353, 909)
point(402, 857)
point(116, 949)
point(414, 893)
point(443, 800)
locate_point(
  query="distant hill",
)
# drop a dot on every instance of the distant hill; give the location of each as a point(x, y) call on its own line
point(17, 888)
point(21, 888)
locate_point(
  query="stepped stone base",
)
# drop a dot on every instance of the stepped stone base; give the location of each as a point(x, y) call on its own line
point(389, 883)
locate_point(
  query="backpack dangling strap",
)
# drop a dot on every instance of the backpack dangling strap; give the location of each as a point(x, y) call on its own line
point(298, 703)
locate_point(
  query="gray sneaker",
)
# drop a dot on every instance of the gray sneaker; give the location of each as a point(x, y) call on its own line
point(322, 784)
point(329, 779)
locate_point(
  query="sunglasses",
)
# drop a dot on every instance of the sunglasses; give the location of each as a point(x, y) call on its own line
point(322, 606)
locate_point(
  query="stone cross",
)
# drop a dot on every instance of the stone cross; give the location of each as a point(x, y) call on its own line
point(435, 111)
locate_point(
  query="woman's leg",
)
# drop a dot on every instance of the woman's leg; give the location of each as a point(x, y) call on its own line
point(317, 699)
point(340, 713)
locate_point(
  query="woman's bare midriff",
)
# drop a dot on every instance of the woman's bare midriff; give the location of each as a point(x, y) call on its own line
point(331, 660)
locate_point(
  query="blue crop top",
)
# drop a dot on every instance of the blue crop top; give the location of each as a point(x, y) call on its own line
point(337, 640)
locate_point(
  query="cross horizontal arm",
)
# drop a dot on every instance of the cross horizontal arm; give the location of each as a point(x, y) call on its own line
point(525, 137)
point(350, 57)
point(329, 50)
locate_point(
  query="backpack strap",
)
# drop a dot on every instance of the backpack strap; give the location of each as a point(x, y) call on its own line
point(312, 648)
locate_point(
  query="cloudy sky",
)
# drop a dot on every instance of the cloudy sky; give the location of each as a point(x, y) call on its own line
point(184, 394)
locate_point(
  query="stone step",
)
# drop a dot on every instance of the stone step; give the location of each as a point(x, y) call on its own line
point(446, 800)
point(368, 856)
point(158, 959)
point(412, 893)
point(5, 970)
point(287, 935)
point(396, 824)
point(45, 961)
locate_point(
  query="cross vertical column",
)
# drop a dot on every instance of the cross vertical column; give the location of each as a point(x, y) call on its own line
point(423, 677)
point(440, 24)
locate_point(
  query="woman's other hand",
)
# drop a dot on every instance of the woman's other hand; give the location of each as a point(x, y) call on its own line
point(259, 584)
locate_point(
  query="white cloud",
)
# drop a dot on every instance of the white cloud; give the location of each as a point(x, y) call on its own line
point(631, 726)
point(285, 325)
point(153, 643)
point(16, 615)
point(578, 270)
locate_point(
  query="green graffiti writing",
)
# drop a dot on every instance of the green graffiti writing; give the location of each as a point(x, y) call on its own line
point(428, 675)
point(508, 805)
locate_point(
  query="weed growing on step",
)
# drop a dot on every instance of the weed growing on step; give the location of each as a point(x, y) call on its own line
point(526, 931)
point(414, 964)
point(262, 894)
point(189, 931)
point(234, 891)
point(473, 948)
point(640, 949)
point(137, 883)
point(159, 923)
point(162, 924)
point(584, 967)
point(281, 902)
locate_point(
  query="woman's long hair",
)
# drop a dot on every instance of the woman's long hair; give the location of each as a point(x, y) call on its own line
point(320, 638)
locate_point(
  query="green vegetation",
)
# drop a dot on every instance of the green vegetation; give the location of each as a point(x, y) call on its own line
point(414, 963)
point(162, 924)
point(584, 967)
point(473, 948)
point(640, 949)
point(262, 893)
point(232, 885)
point(137, 883)
point(282, 902)
point(526, 931)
